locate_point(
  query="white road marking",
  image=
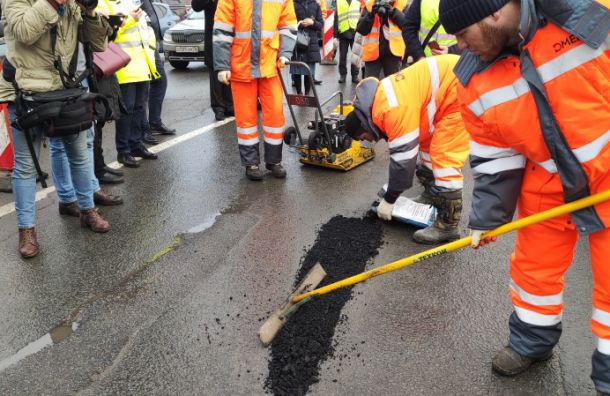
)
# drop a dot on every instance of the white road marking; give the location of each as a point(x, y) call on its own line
point(42, 194)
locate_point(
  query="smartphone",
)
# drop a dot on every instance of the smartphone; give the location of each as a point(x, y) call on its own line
point(434, 45)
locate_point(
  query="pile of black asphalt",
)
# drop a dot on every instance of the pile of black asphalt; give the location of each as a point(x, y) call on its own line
point(343, 247)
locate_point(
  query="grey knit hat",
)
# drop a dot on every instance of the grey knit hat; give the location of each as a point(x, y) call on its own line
point(456, 15)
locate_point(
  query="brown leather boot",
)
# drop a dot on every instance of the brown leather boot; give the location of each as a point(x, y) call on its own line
point(91, 219)
point(28, 245)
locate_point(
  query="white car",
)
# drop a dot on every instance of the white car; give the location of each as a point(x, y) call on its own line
point(183, 43)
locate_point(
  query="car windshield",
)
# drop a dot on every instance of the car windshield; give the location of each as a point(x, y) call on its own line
point(196, 15)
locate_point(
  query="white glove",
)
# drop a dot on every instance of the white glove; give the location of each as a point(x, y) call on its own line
point(281, 62)
point(477, 241)
point(224, 76)
point(384, 210)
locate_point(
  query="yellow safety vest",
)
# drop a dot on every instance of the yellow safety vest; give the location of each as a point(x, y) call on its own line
point(428, 17)
point(135, 38)
point(348, 14)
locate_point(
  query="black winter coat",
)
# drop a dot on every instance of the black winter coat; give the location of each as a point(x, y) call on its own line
point(309, 9)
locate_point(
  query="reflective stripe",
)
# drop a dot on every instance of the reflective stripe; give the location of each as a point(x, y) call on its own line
point(130, 44)
point(601, 317)
point(274, 1)
point(498, 96)
point(274, 129)
point(446, 172)
point(583, 154)
point(243, 35)
point(392, 34)
point(500, 165)
point(404, 156)
point(548, 71)
point(484, 151)
point(369, 40)
point(224, 26)
point(273, 142)
point(217, 38)
point(375, 30)
point(247, 130)
point(424, 156)
point(389, 92)
point(435, 82)
point(536, 318)
point(404, 139)
point(603, 346)
point(267, 34)
point(456, 184)
point(247, 142)
point(535, 299)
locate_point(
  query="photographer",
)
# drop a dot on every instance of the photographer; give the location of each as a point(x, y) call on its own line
point(29, 27)
point(381, 24)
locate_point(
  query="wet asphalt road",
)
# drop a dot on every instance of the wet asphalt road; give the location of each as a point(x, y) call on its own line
point(186, 322)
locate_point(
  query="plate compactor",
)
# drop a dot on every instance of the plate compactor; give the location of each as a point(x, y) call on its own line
point(328, 144)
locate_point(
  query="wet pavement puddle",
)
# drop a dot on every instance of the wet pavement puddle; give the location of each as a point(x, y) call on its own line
point(53, 337)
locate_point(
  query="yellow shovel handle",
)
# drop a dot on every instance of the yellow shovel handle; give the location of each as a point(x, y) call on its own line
point(460, 243)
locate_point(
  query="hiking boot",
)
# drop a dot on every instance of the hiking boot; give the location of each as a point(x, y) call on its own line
point(342, 79)
point(277, 170)
point(69, 209)
point(28, 244)
point(91, 219)
point(253, 172)
point(508, 362)
point(438, 232)
point(424, 198)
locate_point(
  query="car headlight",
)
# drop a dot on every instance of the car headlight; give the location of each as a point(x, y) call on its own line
point(167, 36)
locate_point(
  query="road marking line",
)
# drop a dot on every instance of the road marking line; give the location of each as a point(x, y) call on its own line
point(42, 194)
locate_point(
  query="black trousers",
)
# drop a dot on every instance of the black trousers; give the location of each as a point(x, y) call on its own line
point(344, 46)
point(220, 94)
point(390, 64)
point(98, 152)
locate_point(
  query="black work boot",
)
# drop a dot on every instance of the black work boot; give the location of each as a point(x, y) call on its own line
point(277, 170)
point(253, 172)
point(69, 209)
point(508, 362)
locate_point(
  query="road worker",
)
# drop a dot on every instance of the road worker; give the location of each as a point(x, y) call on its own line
point(252, 38)
point(417, 112)
point(381, 24)
point(534, 83)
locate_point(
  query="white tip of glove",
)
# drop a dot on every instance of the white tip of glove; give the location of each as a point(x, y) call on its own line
point(281, 62)
point(476, 237)
point(384, 210)
point(224, 76)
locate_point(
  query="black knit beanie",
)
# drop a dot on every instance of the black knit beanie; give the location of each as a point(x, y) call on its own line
point(456, 15)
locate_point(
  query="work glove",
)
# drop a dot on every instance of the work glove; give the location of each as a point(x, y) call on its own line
point(477, 241)
point(224, 76)
point(384, 210)
point(281, 62)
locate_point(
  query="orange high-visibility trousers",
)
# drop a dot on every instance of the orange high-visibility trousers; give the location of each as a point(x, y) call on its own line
point(245, 98)
point(543, 254)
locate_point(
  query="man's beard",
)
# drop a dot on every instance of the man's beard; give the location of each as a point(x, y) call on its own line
point(498, 39)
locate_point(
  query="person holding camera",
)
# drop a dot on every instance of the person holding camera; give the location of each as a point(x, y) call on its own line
point(310, 23)
point(137, 39)
point(381, 24)
point(42, 38)
point(417, 111)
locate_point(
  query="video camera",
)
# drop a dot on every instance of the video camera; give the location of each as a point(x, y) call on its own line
point(383, 9)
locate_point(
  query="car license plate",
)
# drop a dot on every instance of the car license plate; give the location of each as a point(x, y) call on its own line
point(187, 49)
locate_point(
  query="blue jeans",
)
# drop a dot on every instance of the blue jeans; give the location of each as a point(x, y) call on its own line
point(60, 168)
point(24, 173)
point(129, 126)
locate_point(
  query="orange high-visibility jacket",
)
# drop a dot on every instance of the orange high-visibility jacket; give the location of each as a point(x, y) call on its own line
point(417, 110)
point(370, 49)
point(552, 98)
point(250, 35)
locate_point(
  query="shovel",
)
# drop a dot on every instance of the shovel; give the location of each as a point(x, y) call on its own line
point(307, 288)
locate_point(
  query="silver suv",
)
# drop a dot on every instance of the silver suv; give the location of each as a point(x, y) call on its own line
point(183, 43)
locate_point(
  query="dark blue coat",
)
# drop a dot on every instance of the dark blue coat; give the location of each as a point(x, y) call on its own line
point(309, 9)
